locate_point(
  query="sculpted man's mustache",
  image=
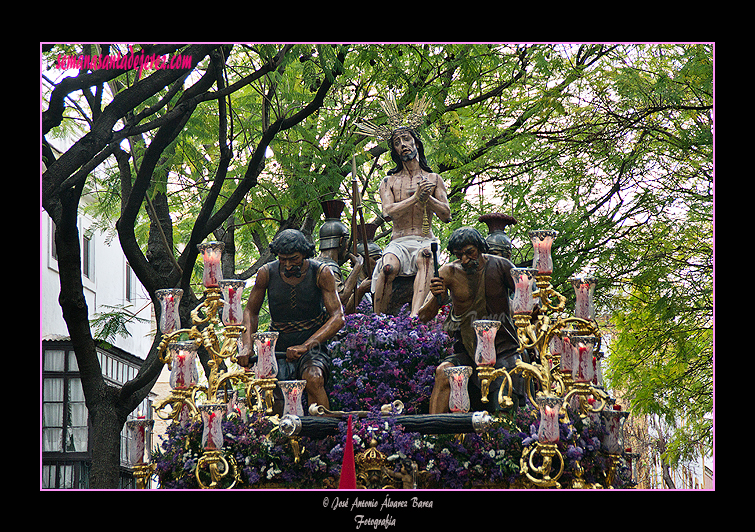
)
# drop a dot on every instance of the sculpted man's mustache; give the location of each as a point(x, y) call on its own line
point(471, 266)
point(292, 272)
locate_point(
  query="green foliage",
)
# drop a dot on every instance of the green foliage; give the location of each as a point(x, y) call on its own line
point(109, 325)
point(611, 145)
point(662, 354)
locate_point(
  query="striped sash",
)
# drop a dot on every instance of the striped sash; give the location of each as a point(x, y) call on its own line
point(285, 327)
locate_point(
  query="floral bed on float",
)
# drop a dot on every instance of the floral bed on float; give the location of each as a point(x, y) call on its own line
point(378, 359)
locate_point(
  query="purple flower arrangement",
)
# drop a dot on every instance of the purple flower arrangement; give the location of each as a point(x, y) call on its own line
point(377, 360)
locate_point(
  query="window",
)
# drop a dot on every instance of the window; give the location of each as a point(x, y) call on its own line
point(64, 413)
point(87, 264)
point(53, 246)
point(129, 283)
point(65, 420)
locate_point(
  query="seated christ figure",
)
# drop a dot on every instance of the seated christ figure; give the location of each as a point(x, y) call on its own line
point(411, 194)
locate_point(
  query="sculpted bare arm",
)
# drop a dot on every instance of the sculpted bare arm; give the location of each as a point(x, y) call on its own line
point(438, 202)
point(252, 310)
point(438, 287)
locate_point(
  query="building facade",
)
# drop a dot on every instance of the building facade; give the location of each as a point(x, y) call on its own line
point(109, 285)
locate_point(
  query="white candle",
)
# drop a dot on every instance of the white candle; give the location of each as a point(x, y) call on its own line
point(232, 306)
point(458, 378)
point(169, 301)
point(548, 432)
point(583, 369)
point(212, 273)
point(292, 392)
point(212, 433)
point(584, 290)
point(267, 365)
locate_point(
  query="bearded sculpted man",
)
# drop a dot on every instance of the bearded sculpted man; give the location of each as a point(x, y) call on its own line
point(305, 310)
point(480, 286)
point(411, 195)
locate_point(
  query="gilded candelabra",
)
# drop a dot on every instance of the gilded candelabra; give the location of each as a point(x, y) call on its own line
point(566, 346)
point(217, 327)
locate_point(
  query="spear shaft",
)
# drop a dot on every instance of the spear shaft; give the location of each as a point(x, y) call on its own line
point(357, 209)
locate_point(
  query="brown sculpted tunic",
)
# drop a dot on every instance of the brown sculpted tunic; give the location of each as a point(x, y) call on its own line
point(484, 295)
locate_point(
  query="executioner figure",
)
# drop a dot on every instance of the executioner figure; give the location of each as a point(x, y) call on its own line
point(411, 195)
point(480, 286)
point(304, 309)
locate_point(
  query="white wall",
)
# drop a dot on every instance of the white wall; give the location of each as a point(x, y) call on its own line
point(106, 287)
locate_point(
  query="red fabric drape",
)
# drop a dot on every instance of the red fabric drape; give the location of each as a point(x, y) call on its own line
point(348, 479)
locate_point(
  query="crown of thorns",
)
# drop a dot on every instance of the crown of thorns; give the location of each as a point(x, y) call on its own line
point(396, 119)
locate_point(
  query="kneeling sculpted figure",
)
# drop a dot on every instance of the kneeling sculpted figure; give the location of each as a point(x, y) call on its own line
point(304, 309)
point(480, 286)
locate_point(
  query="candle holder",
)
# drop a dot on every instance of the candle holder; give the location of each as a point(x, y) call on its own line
point(542, 241)
point(583, 369)
point(566, 361)
point(549, 406)
point(204, 332)
point(486, 331)
point(292, 397)
point(232, 290)
point(139, 454)
point(264, 345)
point(523, 302)
point(212, 272)
point(485, 359)
point(265, 371)
point(458, 377)
point(213, 459)
point(588, 398)
point(584, 290)
point(169, 299)
point(542, 474)
point(180, 358)
point(183, 364)
point(613, 420)
point(212, 433)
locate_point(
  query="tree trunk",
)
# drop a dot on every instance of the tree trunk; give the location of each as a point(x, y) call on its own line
point(106, 440)
point(99, 396)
